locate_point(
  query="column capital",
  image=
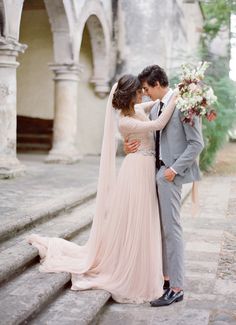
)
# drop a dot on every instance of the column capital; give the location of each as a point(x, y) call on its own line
point(66, 71)
point(11, 45)
point(102, 86)
point(9, 50)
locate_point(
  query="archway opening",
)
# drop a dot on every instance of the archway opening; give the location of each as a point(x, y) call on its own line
point(35, 85)
point(91, 107)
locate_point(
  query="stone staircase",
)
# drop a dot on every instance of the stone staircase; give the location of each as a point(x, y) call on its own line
point(30, 297)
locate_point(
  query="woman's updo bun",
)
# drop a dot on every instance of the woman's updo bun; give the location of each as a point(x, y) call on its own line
point(125, 93)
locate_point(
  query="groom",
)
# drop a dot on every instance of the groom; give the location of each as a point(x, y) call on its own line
point(177, 148)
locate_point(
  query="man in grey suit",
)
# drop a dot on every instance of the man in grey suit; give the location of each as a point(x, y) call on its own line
point(177, 148)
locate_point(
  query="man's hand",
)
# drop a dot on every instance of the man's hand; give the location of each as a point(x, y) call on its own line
point(131, 146)
point(169, 174)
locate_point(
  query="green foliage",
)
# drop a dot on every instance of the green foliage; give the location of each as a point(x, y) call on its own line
point(217, 15)
point(215, 132)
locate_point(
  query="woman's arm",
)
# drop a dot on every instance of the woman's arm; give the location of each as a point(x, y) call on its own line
point(127, 124)
point(146, 106)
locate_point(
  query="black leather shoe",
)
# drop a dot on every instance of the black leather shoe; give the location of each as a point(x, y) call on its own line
point(166, 285)
point(168, 298)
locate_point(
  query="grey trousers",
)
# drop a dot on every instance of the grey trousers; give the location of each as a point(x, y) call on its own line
point(172, 234)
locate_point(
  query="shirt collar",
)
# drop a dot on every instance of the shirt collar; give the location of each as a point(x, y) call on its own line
point(167, 97)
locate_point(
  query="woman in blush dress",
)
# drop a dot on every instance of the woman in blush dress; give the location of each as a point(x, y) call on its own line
point(123, 254)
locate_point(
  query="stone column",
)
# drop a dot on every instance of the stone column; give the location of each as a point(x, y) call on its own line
point(65, 119)
point(9, 164)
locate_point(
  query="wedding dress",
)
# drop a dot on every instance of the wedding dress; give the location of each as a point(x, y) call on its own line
point(123, 254)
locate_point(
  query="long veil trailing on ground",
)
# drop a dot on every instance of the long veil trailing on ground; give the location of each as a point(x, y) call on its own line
point(107, 174)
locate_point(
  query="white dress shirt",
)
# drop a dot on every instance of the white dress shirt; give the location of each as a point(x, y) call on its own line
point(165, 100)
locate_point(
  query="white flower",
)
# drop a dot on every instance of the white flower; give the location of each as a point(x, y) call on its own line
point(192, 87)
point(209, 95)
point(194, 96)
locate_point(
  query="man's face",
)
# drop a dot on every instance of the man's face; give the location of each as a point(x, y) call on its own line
point(153, 92)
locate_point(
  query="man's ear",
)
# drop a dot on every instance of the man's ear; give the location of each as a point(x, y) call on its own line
point(158, 84)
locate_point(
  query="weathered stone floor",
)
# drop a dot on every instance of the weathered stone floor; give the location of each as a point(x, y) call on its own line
point(44, 185)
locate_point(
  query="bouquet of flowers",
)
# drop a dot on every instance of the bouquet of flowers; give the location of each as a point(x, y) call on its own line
point(195, 97)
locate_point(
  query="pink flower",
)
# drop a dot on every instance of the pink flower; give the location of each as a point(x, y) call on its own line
point(211, 116)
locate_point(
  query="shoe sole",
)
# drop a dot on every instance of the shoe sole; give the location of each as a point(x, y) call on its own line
point(177, 300)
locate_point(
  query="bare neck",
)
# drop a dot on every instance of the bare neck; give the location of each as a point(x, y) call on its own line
point(164, 92)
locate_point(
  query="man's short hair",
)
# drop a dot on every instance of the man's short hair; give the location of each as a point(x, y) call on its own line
point(152, 74)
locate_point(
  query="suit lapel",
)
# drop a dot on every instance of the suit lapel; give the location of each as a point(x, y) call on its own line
point(154, 112)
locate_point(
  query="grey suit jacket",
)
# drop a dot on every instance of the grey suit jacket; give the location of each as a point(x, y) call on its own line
point(180, 146)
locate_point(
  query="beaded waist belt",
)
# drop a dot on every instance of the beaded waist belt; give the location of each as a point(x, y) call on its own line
point(147, 152)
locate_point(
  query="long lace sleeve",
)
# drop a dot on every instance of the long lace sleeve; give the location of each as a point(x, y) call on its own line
point(146, 106)
point(129, 124)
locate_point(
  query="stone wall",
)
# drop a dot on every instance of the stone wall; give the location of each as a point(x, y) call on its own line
point(157, 32)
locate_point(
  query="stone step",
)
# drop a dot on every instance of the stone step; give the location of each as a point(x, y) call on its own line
point(44, 211)
point(26, 295)
point(73, 308)
point(16, 254)
point(33, 147)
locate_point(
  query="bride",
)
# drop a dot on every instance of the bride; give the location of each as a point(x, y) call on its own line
point(123, 254)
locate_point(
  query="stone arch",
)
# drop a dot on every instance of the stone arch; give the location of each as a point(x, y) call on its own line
point(60, 25)
point(10, 16)
point(61, 30)
point(93, 16)
point(100, 55)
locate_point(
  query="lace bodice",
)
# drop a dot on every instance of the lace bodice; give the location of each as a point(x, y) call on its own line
point(134, 128)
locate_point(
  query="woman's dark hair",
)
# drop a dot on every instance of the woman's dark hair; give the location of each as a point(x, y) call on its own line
point(125, 93)
point(152, 74)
